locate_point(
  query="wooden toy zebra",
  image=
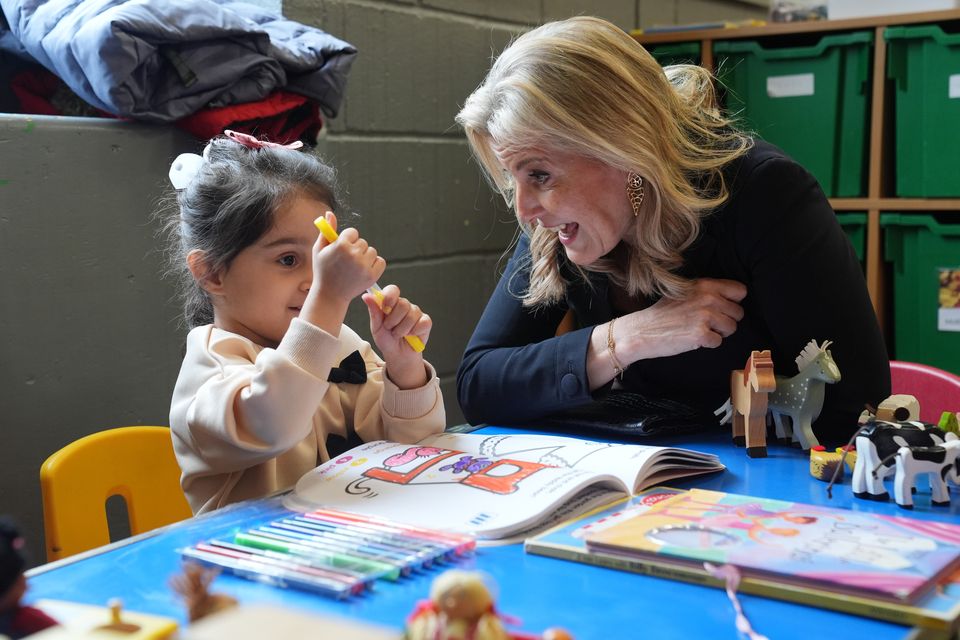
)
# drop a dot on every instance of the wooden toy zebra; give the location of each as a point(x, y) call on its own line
point(800, 398)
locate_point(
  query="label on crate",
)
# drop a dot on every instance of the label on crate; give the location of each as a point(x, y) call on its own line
point(953, 86)
point(799, 84)
point(948, 316)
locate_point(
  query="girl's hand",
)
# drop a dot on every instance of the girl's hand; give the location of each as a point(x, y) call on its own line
point(397, 318)
point(344, 269)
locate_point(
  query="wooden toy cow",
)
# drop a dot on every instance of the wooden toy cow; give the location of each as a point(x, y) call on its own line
point(877, 442)
point(940, 463)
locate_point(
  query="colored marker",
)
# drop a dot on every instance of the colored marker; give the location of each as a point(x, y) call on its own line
point(355, 564)
point(287, 561)
point(463, 543)
point(331, 235)
point(277, 576)
point(420, 547)
point(457, 543)
point(413, 554)
point(298, 567)
point(329, 544)
point(398, 556)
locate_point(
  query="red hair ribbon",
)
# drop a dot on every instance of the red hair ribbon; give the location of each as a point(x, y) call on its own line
point(250, 142)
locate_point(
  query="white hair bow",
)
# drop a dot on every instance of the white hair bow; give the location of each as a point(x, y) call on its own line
point(184, 169)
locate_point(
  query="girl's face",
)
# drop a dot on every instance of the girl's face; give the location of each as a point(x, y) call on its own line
point(265, 286)
point(582, 200)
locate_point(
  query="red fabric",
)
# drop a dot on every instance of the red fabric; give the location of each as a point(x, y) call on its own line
point(41, 92)
point(30, 620)
point(34, 89)
point(281, 117)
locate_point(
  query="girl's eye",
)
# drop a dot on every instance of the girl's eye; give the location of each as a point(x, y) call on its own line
point(288, 260)
point(539, 177)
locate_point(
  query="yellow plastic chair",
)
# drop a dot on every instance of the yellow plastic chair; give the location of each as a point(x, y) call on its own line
point(136, 463)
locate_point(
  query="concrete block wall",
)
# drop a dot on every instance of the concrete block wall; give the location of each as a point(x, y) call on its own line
point(90, 338)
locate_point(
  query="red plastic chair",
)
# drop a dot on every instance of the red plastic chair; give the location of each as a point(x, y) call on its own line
point(935, 389)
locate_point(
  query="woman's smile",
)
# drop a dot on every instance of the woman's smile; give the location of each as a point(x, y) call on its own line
point(567, 232)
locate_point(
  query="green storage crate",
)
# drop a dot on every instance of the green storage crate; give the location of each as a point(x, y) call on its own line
point(926, 325)
point(675, 53)
point(924, 63)
point(855, 226)
point(812, 102)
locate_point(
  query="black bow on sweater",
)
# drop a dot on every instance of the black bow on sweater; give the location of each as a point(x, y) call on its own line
point(352, 370)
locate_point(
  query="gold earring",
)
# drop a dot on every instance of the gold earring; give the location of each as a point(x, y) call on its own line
point(635, 192)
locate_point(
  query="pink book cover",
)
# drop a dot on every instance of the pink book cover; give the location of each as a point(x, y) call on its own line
point(887, 557)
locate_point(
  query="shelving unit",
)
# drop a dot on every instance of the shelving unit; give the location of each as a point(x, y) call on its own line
point(880, 187)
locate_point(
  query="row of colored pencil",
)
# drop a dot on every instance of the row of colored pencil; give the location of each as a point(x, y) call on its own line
point(334, 553)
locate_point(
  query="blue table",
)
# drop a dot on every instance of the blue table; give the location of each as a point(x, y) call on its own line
point(591, 602)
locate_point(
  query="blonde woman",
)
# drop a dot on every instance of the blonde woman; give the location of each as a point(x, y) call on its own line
point(675, 243)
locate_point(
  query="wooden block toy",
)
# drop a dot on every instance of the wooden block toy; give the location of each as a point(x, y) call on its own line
point(899, 407)
point(948, 422)
point(255, 622)
point(824, 464)
point(90, 622)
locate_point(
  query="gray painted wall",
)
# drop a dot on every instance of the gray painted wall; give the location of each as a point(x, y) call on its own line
point(90, 338)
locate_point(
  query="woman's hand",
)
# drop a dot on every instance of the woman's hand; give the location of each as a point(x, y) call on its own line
point(390, 322)
point(704, 318)
point(708, 314)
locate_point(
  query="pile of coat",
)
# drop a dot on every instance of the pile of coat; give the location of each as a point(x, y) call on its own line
point(165, 60)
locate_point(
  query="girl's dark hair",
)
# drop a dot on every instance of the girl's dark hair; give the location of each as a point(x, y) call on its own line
point(230, 204)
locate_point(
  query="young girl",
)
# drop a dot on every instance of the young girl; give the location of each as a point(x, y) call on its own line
point(270, 369)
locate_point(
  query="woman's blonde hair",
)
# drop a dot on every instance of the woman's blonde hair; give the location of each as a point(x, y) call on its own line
point(585, 86)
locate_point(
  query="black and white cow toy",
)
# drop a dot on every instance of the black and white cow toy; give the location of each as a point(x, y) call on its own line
point(877, 443)
point(940, 463)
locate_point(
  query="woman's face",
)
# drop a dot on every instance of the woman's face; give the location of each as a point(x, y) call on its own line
point(582, 200)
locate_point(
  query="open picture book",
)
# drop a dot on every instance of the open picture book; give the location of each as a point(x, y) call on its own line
point(490, 486)
point(898, 569)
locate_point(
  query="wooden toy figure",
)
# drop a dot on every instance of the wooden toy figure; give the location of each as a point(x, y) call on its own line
point(800, 398)
point(877, 442)
point(899, 407)
point(748, 396)
point(949, 423)
point(940, 463)
point(16, 620)
point(461, 608)
point(193, 585)
point(826, 465)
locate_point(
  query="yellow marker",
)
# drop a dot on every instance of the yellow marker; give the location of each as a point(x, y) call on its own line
point(328, 232)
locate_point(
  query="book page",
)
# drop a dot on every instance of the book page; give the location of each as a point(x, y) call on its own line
point(637, 466)
point(441, 488)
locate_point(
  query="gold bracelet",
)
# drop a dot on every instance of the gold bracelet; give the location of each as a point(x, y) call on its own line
point(611, 347)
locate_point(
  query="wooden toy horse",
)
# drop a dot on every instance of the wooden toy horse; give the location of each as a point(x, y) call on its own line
point(748, 395)
point(800, 398)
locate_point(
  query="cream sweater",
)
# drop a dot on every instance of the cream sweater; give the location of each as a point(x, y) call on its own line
point(247, 421)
